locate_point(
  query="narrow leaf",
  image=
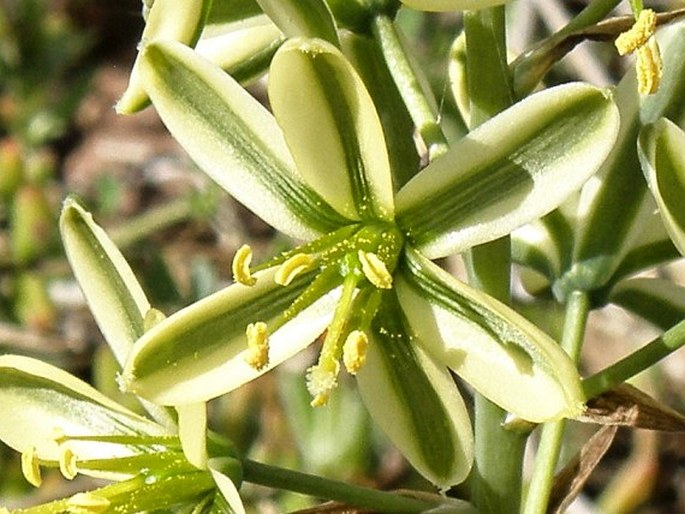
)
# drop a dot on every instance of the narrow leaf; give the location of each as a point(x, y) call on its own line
point(451, 5)
point(41, 401)
point(626, 405)
point(415, 401)
point(199, 352)
point(570, 481)
point(501, 354)
point(233, 139)
point(114, 296)
point(332, 128)
point(514, 168)
point(660, 148)
point(659, 301)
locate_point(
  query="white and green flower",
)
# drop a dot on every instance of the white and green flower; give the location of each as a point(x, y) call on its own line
point(318, 170)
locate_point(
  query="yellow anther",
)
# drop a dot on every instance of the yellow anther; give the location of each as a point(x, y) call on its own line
point(292, 267)
point(67, 463)
point(241, 266)
point(30, 467)
point(152, 317)
point(374, 270)
point(638, 34)
point(354, 351)
point(87, 503)
point(649, 67)
point(321, 380)
point(257, 354)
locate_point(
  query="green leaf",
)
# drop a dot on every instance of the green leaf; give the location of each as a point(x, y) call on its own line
point(175, 20)
point(198, 353)
point(659, 301)
point(302, 18)
point(514, 168)
point(40, 401)
point(450, 5)
point(114, 296)
point(502, 355)
point(332, 128)
point(233, 139)
point(660, 148)
point(414, 399)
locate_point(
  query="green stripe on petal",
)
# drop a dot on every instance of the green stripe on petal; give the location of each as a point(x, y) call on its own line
point(512, 169)
point(114, 296)
point(233, 139)
point(415, 400)
point(40, 401)
point(199, 352)
point(503, 356)
point(659, 301)
point(451, 5)
point(661, 149)
point(332, 128)
point(173, 20)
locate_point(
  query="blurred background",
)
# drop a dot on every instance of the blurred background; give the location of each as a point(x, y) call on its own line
point(63, 65)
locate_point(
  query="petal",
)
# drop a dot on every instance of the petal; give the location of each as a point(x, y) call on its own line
point(199, 352)
point(660, 148)
point(451, 5)
point(192, 431)
point(232, 138)
point(40, 401)
point(415, 400)
point(175, 20)
point(332, 128)
point(503, 356)
point(114, 296)
point(302, 18)
point(243, 50)
point(512, 169)
point(218, 468)
point(659, 301)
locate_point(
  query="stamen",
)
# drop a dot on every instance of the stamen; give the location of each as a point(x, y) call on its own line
point(257, 354)
point(241, 266)
point(638, 34)
point(321, 380)
point(354, 351)
point(30, 467)
point(152, 317)
point(88, 503)
point(649, 67)
point(292, 267)
point(67, 463)
point(374, 270)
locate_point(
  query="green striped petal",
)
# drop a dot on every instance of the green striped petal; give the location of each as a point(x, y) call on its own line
point(114, 296)
point(40, 401)
point(233, 139)
point(332, 128)
point(661, 148)
point(174, 20)
point(502, 355)
point(451, 5)
point(415, 401)
point(659, 301)
point(199, 352)
point(509, 171)
point(243, 50)
point(302, 18)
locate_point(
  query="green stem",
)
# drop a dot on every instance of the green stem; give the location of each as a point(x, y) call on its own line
point(311, 485)
point(636, 362)
point(593, 13)
point(409, 86)
point(496, 479)
point(577, 310)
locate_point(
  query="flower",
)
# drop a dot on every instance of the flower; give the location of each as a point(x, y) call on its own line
point(317, 169)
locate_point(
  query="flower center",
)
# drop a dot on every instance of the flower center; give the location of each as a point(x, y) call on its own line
point(360, 261)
